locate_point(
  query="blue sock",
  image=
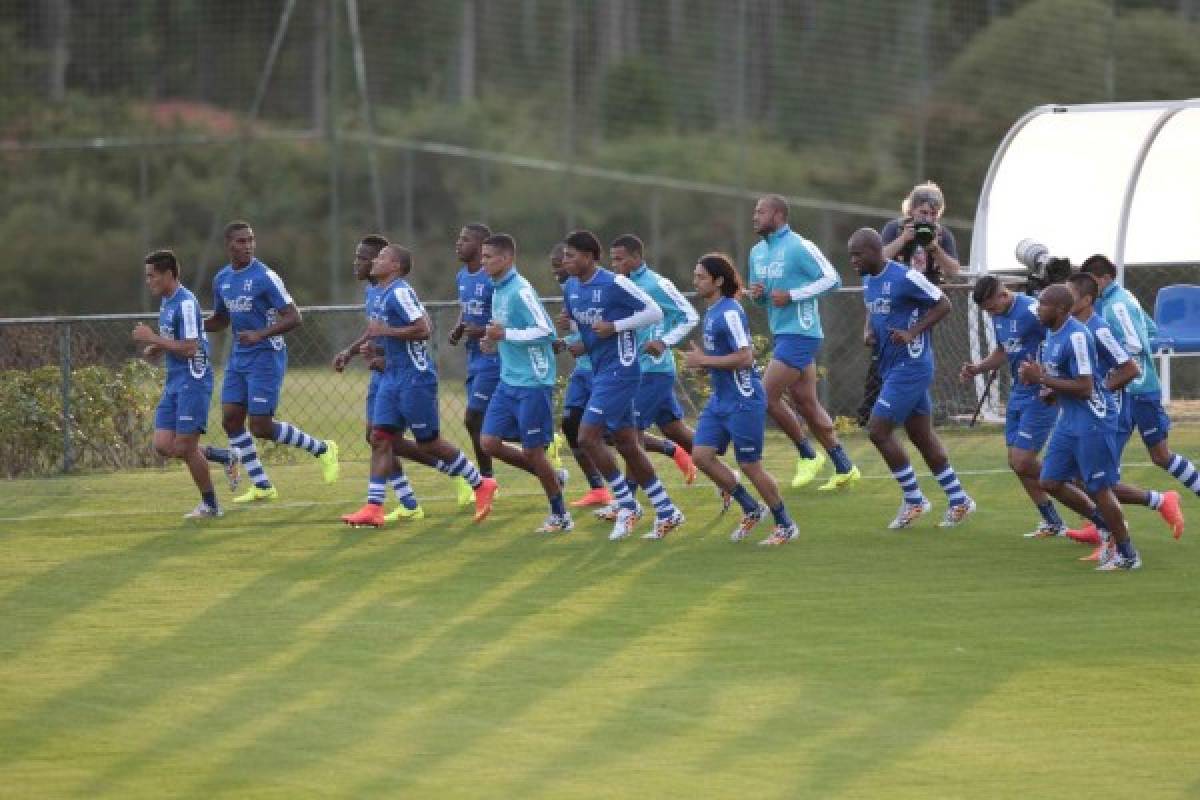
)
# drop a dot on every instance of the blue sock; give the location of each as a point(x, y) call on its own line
point(220, 455)
point(668, 448)
point(743, 498)
point(557, 506)
point(1126, 550)
point(841, 461)
point(595, 481)
point(633, 487)
point(209, 498)
point(1098, 520)
point(780, 514)
point(1049, 513)
point(805, 449)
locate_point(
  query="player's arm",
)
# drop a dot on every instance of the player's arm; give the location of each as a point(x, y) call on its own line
point(346, 355)
point(540, 326)
point(1126, 371)
point(920, 287)
point(646, 311)
point(417, 330)
point(1081, 386)
point(1121, 318)
point(994, 360)
point(820, 275)
point(144, 335)
point(289, 319)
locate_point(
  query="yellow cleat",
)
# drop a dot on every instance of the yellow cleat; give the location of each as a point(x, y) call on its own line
point(256, 494)
point(807, 469)
point(464, 493)
point(328, 462)
point(554, 451)
point(841, 480)
point(404, 513)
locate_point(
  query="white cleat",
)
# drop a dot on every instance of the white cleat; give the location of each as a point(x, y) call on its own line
point(1046, 531)
point(626, 519)
point(607, 513)
point(956, 515)
point(749, 521)
point(204, 511)
point(664, 526)
point(910, 513)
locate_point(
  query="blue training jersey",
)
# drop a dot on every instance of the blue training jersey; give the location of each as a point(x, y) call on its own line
point(408, 360)
point(613, 298)
point(895, 299)
point(726, 330)
point(1070, 352)
point(179, 318)
point(679, 317)
point(527, 350)
point(371, 310)
point(475, 301)
point(786, 260)
point(1134, 329)
point(1020, 333)
point(1109, 355)
point(252, 296)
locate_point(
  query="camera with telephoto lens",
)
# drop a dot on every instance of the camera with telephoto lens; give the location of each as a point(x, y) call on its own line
point(924, 233)
point(1044, 269)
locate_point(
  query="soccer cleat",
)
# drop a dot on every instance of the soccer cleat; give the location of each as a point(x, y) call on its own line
point(909, 513)
point(1085, 535)
point(956, 514)
point(556, 523)
point(841, 480)
point(233, 473)
point(369, 516)
point(1120, 562)
point(204, 511)
point(400, 512)
point(608, 513)
point(600, 496)
point(683, 460)
point(749, 520)
point(626, 519)
point(554, 451)
point(664, 525)
point(464, 494)
point(328, 461)
point(484, 494)
point(1101, 553)
point(255, 494)
point(807, 469)
point(781, 535)
point(1045, 530)
point(1172, 513)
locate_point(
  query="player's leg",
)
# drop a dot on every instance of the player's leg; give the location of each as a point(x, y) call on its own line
point(871, 386)
point(776, 380)
point(409, 507)
point(480, 388)
point(919, 427)
point(667, 516)
point(1099, 462)
point(420, 407)
point(235, 398)
point(1154, 425)
point(891, 409)
point(597, 494)
point(747, 431)
point(382, 462)
point(655, 404)
point(804, 395)
point(266, 385)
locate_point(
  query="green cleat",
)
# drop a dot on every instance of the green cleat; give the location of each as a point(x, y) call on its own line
point(465, 494)
point(807, 469)
point(554, 451)
point(328, 462)
point(404, 513)
point(841, 480)
point(255, 494)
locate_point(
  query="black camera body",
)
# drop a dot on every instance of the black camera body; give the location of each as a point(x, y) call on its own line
point(924, 233)
point(1044, 269)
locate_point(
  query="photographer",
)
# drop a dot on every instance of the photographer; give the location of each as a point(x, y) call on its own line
point(918, 239)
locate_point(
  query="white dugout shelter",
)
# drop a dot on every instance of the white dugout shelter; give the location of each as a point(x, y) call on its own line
point(1121, 179)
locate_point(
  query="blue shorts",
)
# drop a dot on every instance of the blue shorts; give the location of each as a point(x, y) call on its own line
point(401, 406)
point(524, 413)
point(904, 394)
point(183, 410)
point(372, 393)
point(795, 349)
point(611, 403)
point(1092, 457)
point(1028, 422)
point(579, 389)
point(745, 426)
point(655, 402)
point(481, 384)
point(256, 383)
point(1149, 417)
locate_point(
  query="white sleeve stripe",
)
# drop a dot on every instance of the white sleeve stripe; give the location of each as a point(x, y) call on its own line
point(188, 309)
point(1133, 342)
point(410, 304)
point(922, 283)
point(733, 320)
point(1082, 359)
point(829, 277)
point(639, 319)
point(690, 317)
point(1115, 351)
point(283, 292)
point(541, 327)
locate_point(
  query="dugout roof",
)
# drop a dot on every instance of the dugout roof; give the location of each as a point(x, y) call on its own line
point(1116, 178)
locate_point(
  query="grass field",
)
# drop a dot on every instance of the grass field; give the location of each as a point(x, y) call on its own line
point(274, 653)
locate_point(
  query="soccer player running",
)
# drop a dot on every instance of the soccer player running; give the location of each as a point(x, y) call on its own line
point(575, 397)
point(1083, 446)
point(408, 396)
point(1134, 329)
point(364, 254)
point(608, 309)
point(1118, 369)
point(250, 298)
point(182, 413)
point(522, 406)
point(902, 308)
point(787, 274)
point(655, 402)
point(737, 408)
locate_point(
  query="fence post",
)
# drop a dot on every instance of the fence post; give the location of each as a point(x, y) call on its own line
point(64, 352)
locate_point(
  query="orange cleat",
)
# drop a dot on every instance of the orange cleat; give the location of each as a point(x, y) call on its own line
point(1172, 513)
point(1085, 535)
point(600, 496)
point(1100, 553)
point(683, 460)
point(369, 516)
point(485, 492)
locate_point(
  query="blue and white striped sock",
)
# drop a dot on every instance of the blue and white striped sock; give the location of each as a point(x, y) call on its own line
point(242, 444)
point(663, 507)
point(950, 485)
point(907, 478)
point(376, 489)
point(287, 433)
point(1154, 500)
point(403, 490)
point(620, 490)
point(1185, 472)
point(461, 467)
